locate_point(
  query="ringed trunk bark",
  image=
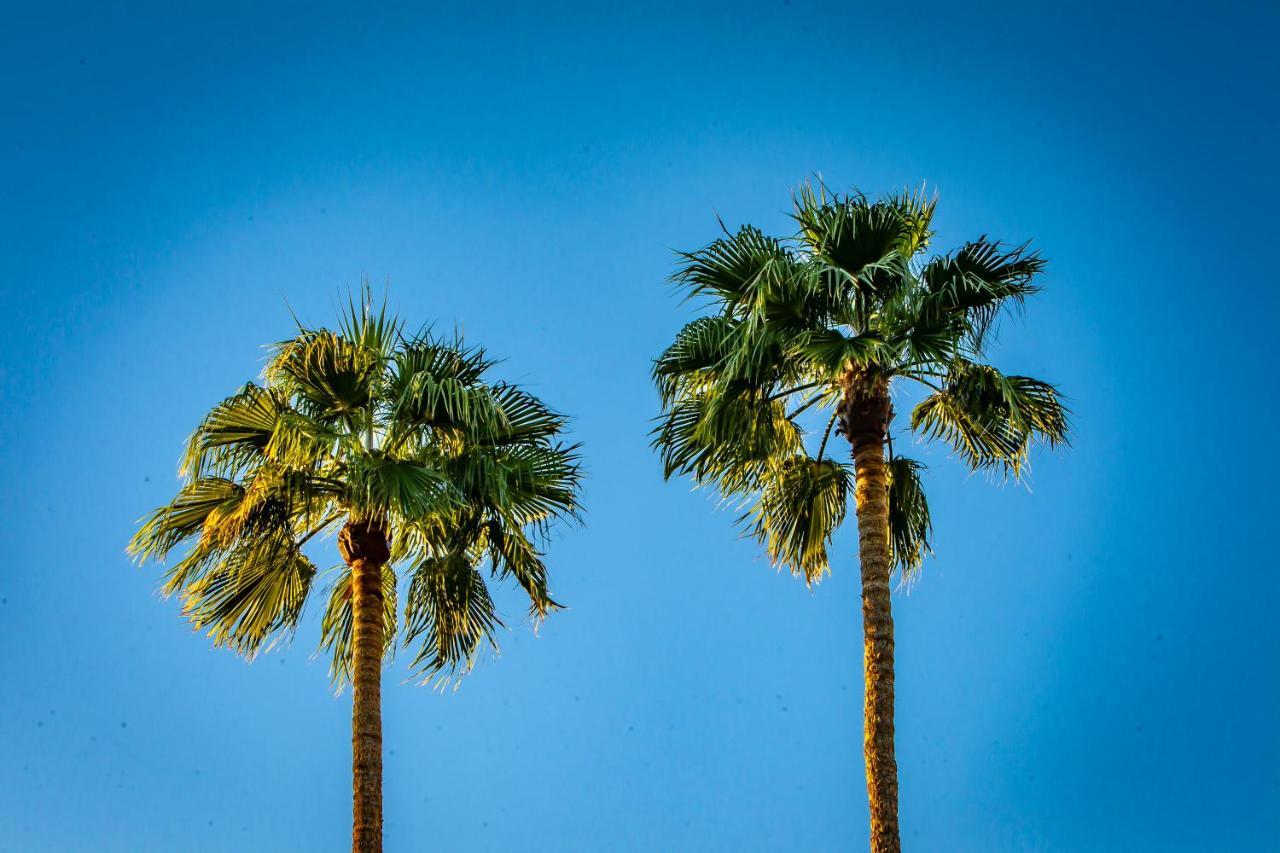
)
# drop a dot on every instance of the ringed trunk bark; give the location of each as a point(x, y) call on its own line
point(365, 548)
point(865, 415)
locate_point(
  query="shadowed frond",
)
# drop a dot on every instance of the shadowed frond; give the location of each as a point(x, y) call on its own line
point(909, 523)
point(735, 268)
point(331, 378)
point(725, 440)
point(337, 624)
point(801, 504)
point(409, 489)
point(867, 241)
point(513, 555)
point(254, 592)
point(990, 419)
point(980, 278)
point(450, 612)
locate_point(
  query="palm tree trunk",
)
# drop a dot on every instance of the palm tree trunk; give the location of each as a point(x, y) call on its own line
point(865, 415)
point(365, 548)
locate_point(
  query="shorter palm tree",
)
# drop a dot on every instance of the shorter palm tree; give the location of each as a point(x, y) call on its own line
point(827, 322)
point(423, 469)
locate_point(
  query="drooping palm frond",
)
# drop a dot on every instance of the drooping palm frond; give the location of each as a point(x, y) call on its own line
point(991, 419)
point(514, 555)
point(725, 440)
point(337, 624)
point(910, 526)
point(255, 592)
point(185, 516)
point(801, 503)
point(450, 611)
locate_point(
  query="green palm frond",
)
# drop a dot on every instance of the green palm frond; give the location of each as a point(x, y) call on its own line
point(185, 516)
point(910, 526)
point(725, 440)
point(449, 615)
point(384, 485)
point(514, 555)
point(834, 353)
point(865, 240)
point(234, 434)
point(437, 386)
point(801, 504)
point(369, 327)
point(736, 268)
point(990, 419)
point(980, 278)
point(337, 624)
point(535, 484)
point(331, 377)
point(691, 362)
point(523, 419)
point(255, 592)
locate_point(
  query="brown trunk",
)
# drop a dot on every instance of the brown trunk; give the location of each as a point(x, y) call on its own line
point(365, 548)
point(865, 415)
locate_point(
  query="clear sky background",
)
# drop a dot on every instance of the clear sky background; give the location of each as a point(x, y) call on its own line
point(1090, 663)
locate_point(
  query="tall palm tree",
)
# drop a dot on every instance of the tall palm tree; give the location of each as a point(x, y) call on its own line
point(424, 471)
point(828, 321)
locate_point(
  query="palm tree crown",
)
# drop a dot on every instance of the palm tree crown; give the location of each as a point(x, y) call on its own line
point(364, 426)
point(829, 318)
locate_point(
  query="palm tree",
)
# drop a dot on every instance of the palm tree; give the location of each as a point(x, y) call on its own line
point(422, 468)
point(828, 321)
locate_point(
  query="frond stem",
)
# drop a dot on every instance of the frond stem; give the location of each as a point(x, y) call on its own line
point(782, 394)
point(822, 448)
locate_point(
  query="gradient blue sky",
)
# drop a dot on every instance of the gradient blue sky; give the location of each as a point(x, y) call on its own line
point(1090, 664)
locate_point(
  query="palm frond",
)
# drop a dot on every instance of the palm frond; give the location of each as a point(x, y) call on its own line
point(523, 418)
point(369, 326)
point(513, 555)
point(834, 353)
point(449, 615)
point(255, 592)
point(867, 241)
point(690, 362)
point(978, 279)
point(185, 516)
point(234, 434)
point(333, 378)
point(338, 622)
point(734, 268)
point(991, 419)
point(725, 440)
point(378, 484)
point(910, 526)
point(802, 502)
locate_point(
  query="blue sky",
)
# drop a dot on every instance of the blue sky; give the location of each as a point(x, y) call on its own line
point(1089, 664)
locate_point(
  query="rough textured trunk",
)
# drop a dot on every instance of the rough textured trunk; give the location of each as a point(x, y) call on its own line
point(365, 548)
point(865, 415)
